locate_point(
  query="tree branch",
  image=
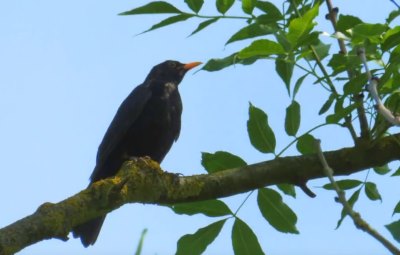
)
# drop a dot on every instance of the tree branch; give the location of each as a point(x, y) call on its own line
point(143, 181)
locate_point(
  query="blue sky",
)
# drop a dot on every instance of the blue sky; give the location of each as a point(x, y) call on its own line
point(67, 65)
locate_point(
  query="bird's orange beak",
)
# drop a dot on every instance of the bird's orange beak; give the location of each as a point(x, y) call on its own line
point(189, 66)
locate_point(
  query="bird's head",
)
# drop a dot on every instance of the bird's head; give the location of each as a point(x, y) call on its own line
point(171, 71)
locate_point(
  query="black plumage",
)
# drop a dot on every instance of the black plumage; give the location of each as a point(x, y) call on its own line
point(146, 124)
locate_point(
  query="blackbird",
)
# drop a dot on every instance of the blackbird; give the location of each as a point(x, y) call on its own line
point(146, 124)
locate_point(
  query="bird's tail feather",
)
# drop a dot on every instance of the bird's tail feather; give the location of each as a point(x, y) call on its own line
point(89, 231)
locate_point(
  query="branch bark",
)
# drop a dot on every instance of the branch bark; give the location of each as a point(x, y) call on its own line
point(143, 181)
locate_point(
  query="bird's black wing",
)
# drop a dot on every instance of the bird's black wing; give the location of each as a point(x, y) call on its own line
point(126, 115)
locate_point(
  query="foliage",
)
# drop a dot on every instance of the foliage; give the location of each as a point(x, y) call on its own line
point(288, 36)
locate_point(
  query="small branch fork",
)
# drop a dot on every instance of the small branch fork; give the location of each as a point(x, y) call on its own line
point(365, 134)
point(355, 216)
point(372, 88)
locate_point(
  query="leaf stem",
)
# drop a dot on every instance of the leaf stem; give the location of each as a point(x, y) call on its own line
point(355, 216)
point(297, 138)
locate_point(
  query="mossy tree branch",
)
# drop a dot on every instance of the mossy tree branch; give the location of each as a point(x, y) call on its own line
point(143, 181)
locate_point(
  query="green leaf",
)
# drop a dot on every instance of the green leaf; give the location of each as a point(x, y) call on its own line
point(153, 8)
point(261, 47)
point(301, 26)
point(299, 82)
point(320, 48)
point(211, 208)
point(394, 14)
point(195, 5)
point(391, 38)
point(287, 189)
point(198, 242)
point(364, 31)
point(382, 170)
point(140, 245)
point(325, 107)
point(224, 5)
point(396, 209)
point(248, 6)
point(272, 15)
point(337, 116)
point(268, 7)
point(221, 160)
point(344, 184)
point(346, 22)
point(244, 241)
point(394, 229)
point(355, 85)
point(284, 67)
point(169, 21)
point(276, 212)
point(217, 64)
point(353, 199)
point(203, 25)
point(372, 191)
point(252, 30)
point(306, 144)
point(261, 135)
point(397, 173)
point(292, 120)
point(341, 63)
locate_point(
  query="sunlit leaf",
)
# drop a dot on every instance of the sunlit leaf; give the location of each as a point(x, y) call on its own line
point(276, 212)
point(248, 6)
point(261, 47)
point(272, 15)
point(221, 160)
point(320, 48)
point(391, 38)
point(301, 26)
point(252, 30)
point(261, 135)
point(198, 242)
point(346, 22)
point(363, 31)
point(392, 15)
point(244, 241)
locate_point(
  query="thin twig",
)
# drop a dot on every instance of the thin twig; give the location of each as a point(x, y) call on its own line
point(372, 88)
point(319, 63)
point(395, 3)
point(332, 14)
point(355, 216)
